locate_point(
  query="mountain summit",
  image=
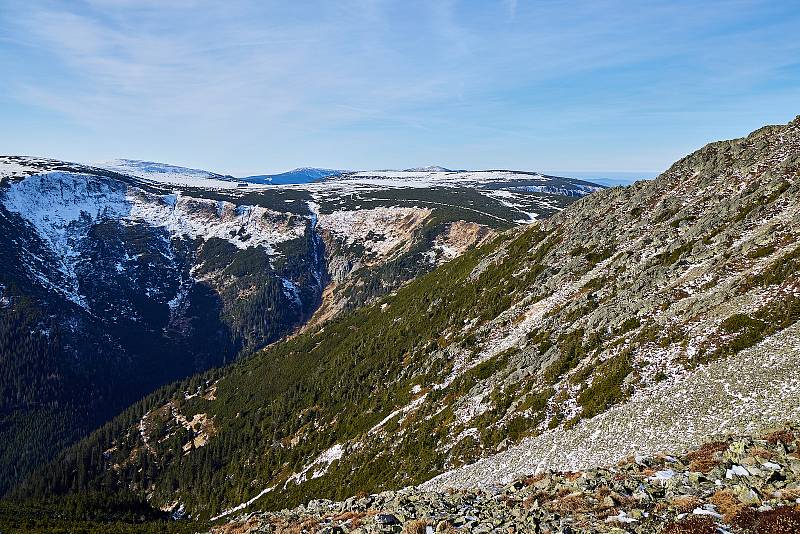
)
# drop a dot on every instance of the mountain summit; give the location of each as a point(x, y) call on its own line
point(302, 175)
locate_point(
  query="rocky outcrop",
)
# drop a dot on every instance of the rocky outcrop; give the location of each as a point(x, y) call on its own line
point(735, 484)
point(361, 245)
point(457, 237)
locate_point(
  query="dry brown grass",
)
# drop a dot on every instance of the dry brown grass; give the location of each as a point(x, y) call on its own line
point(243, 527)
point(786, 437)
point(727, 503)
point(694, 524)
point(530, 499)
point(778, 521)
point(288, 529)
point(353, 517)
point(763, 453)
point(533, 479)
point(309, 525)
point(743, 519)
point(572, 504)
point(705, 458)
point(563, 492)
point(683, 504)
point(628, 460)
point(418, 526)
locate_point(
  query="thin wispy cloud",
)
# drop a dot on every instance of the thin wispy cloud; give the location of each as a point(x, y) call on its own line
point(511, 6)
point(247, 86)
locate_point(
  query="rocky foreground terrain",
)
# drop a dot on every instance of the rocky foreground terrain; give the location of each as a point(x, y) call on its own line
point(741, 484)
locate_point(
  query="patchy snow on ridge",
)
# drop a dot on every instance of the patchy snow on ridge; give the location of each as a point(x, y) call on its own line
point(22, 166)
point(244, 226)
point(13, 169)
point(63, 206)
point(169, 174)
point(528, 181)
point(425, 178)
point(381, 231)
point(56, 202)
point(429, 168)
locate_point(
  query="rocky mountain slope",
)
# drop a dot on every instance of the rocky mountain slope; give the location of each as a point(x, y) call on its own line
point(120, 277)
point(625, 301)
point(744, 393)
point(740, 484)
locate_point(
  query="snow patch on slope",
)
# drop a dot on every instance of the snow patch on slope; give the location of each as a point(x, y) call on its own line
point(63, 206)
point(381, 231)
point(244, 226)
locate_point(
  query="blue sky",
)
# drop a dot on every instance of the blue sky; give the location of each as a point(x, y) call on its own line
point(257, 86)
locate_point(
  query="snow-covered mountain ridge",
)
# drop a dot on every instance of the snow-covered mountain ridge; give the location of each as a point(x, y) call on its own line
point(61, 202)
point(489, 179)
point(63, 206)
point(165, 173)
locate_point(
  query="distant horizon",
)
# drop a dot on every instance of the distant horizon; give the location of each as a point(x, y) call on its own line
point(601, 177)
point(598, 177)
point(614, 176)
